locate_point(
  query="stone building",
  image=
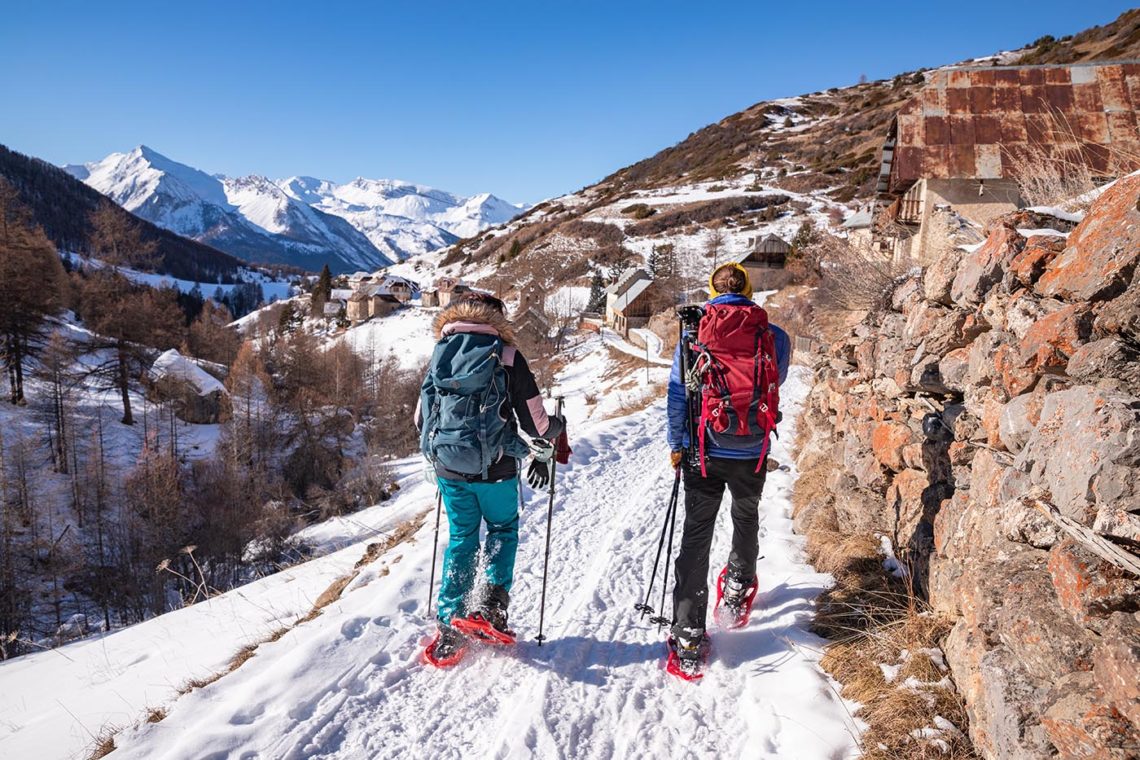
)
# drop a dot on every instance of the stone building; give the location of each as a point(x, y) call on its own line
point(960, 141)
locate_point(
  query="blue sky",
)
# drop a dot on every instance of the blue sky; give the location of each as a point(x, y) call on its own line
point(525, 100)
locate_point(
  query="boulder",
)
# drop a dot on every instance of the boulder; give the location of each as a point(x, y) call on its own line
point(1121, 315)
point(1101, 257)
point(1089, 588)
point(1023, 310)
point(1027, 267)
point(939, 277)
point(1080, 724)
point(1040, 635)
point(1053, 338)
point(981, 270)
point(1108, 357)
point(1018, 419)
point(887, 442)
point(1121, 520)
point(1084, 449)
point(1116, 665)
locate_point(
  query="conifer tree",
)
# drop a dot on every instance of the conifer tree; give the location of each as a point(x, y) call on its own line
point(322, 292)
point(32, 281)
point(597, 302)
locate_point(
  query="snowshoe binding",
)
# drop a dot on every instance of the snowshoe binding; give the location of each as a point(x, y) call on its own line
point(687, 658)
point(734, 598)
point(446, 648)
point(488, 625)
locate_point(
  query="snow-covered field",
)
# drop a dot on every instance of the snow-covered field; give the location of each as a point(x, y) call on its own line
point(349, 683)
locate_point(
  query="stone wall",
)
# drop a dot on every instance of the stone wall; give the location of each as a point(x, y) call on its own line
point(1008, 371)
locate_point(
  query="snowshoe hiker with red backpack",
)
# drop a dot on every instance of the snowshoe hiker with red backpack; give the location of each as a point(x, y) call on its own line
point(723, 404)
point(477, 393)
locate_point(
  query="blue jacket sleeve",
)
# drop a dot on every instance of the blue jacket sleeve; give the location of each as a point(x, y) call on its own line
point(783, 352)
point(678, 433)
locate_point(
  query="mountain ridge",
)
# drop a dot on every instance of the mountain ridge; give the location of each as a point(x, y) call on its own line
point(305, 221)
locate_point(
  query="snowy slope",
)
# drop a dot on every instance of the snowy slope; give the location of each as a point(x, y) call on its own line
point(362, 225)
point(348, 683)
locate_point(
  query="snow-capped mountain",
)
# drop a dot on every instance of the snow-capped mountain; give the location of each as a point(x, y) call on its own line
point(362, 225)
point(400, 217)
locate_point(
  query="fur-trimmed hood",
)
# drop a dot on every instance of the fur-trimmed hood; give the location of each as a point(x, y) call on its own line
point(465, 315)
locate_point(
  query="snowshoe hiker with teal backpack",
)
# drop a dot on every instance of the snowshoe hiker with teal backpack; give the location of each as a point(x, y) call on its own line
point(723, 405)
point(477, 393)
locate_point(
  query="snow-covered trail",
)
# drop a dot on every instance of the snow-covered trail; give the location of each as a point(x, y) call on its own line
point(349, 684)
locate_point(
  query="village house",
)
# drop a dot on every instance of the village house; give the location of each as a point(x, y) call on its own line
point(443, 292)
point(959, 142)
point(630, 301)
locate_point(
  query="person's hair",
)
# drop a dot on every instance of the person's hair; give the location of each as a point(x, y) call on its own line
point(484, 298)
point(728, 279)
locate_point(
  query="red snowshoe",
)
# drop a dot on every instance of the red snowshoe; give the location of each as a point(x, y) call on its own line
point(731, 615)
point(482, 629)
point(688, 668)
point(446, 648)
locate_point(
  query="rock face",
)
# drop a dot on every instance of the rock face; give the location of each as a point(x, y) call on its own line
point(1014, 369)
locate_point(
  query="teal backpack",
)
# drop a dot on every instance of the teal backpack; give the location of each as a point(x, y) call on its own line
point(461, 399)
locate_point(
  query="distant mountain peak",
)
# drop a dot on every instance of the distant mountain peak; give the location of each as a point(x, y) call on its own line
point(305, 221)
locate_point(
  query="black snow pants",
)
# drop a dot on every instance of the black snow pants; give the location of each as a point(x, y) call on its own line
point(703, 496)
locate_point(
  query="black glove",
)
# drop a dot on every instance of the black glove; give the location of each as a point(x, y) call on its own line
point(538, 474)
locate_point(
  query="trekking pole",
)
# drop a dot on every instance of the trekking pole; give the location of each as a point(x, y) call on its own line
point(435, 547)
point(661, 620)
point(549, 517)
point(644, 607)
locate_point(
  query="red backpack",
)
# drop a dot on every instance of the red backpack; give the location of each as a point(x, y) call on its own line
point(735, 360)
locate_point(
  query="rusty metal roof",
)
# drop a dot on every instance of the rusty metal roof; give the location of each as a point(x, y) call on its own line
point(974, 123)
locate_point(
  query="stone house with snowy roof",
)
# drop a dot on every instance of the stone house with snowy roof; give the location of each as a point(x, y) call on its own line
point(961, 141)
point(443, 292)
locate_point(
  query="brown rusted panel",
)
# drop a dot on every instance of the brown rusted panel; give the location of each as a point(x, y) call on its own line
point(908, 163)
point(1008, 99)
point(1013, 128)
point(1132, 81)
point(1033, 99)
point(1086, 98)
point(1122, 126)
point(958, 78)
point(1091, 126)
point(935, 162)
point(987, 129)
point(962, 130)
point(1007, 78)
point(1058, 75)
point(982, 100)
point(910, 129)
point(1037, 129)
point(987, 159)
point(1098, 158)
point(962, 161)
point(934, 101)
point(1012, 157)
point(983, 78)
point(958, 100)
point(937, 130)
point(1031, 76)
point(1113, 92)
point(1060, 98)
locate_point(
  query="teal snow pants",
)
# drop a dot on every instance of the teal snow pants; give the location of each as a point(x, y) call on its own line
point(468, 504)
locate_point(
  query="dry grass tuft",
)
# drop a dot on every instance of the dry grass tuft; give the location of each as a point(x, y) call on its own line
point(876, 619)
point(104, 744)
point(156, 715)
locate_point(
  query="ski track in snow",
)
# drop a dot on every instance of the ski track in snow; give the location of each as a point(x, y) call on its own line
point(350, 684)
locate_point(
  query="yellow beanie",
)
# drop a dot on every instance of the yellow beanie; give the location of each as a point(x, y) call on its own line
point(747, 292)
